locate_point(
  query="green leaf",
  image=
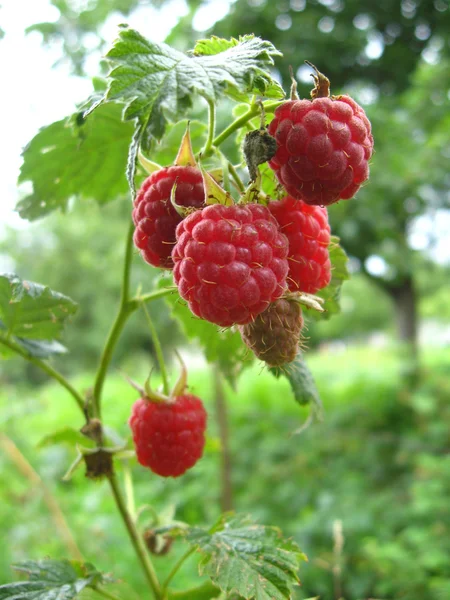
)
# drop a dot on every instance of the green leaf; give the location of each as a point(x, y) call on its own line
point(156, 81)
point(36, 348)
point(301, 380)
point(251, 560)
point(30, 310)
point(75, 158)
point(51, 580)
point(223, 347)
point(339, 273)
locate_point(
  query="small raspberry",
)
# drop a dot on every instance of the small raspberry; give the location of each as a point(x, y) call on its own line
point(307, 230)
point(275, 334)
point(230, 262)
point(169, 437)
point(324, 146)
point(154, 216)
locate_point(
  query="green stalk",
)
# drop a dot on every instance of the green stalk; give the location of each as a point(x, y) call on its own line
point(211, 125)
point(136, 540)
point(118, 325)
point(174, 571)
point(136, 302)
point(46, 367)
point(158, 350)
point(243, 119)
point(236, 177)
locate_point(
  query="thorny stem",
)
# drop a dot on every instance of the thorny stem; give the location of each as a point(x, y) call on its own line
point(174, 571)
point(158, 350)
point(211, 126)
point(136, 540)
point(46, 367)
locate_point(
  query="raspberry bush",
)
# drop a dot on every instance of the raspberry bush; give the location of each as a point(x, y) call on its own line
point(248, 253)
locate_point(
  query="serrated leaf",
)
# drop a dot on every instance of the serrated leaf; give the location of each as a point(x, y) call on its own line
point(252, 560)
point(76, 158)
point(36, 348)
point(223, 347)
point(33, 311)
point(339, 273)
point(156, 81)
point(51, 580)
point(302, 383)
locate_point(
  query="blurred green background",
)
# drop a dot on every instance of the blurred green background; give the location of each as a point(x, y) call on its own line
point(379, 463)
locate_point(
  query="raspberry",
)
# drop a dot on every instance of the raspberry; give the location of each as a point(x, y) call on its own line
point(169, 437)
point(274, 335)
point(230, 262)
point(324, 146)
point(307, 230)
point(154, 216)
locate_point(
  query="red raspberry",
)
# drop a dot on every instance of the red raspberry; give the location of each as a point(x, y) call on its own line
point(324, 146)
point(230, 262)
point(154, 216)
point(169, 437)
point(307, 230)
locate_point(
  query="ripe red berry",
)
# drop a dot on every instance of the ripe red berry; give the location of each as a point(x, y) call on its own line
point(230, 262)
point(169, 437)
point(324, 146)
point(154, 216)
point(308, 232)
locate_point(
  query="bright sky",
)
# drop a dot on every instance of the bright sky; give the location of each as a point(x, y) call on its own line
point(37, 94)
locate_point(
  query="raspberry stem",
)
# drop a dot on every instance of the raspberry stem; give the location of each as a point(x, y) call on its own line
point(211, 126)
point(253, 111)
point(158, 349)
point(136, 539)
point(174, 571)
point(44, 366)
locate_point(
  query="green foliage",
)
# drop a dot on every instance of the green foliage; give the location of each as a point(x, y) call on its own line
point(339, 273)
point(302, 383)
point(33, 315)
point(223, 347)
point(49, 579)
point(84, 160)
point(157, 82)
point(251, 560)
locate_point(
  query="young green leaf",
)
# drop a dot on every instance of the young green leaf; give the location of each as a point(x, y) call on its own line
point(302, 382)
point(76, 158)
point(31, 310)
point(339, 273)
point(51, 579)
point(251, 560)
point(68, 435)
point(156, 81)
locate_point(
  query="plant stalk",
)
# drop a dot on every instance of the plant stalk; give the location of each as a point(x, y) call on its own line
point(47, 368)
point(174, 571)
point(158, 349)
point(211, 125)
point(136, 540)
